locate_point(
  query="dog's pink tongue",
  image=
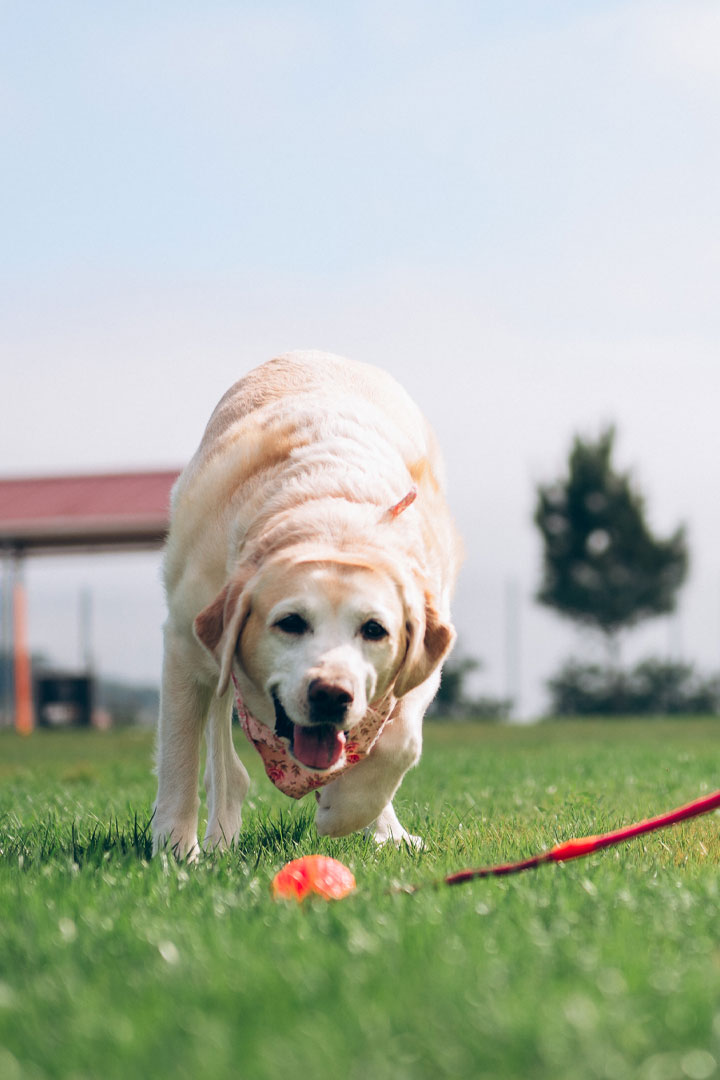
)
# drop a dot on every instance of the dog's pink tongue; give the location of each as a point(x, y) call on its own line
point(319, 746)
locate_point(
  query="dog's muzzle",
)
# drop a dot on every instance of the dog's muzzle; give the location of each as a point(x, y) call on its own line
point(320, 744)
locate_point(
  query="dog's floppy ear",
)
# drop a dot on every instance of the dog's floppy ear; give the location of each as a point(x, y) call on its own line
point(429, 642)
point(219, 626)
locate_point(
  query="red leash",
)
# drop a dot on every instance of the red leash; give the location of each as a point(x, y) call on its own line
point(574, 849)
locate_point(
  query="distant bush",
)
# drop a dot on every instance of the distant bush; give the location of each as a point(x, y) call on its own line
point(652, 688)
point(452, 701)
point(488, 709)
point(480, 710)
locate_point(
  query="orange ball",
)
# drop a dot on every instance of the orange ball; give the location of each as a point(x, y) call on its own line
point(317, 874)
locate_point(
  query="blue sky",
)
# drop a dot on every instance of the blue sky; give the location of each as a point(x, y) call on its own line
point(512, 207)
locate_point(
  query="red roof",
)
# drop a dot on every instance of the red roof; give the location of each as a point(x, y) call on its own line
point(112, 510)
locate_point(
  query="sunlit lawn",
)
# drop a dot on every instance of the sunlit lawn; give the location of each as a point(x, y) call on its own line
point(112, 965)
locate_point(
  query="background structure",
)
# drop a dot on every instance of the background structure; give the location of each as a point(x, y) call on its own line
point(513, 208)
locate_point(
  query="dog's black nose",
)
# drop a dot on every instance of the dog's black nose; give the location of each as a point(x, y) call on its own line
point(328, 701)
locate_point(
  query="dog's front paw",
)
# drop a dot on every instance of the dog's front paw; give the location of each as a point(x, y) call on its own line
point(399, 837)
point(221, 836)
point(387, 829)
point(182, 843)
point(415, 842)
point(189, 851)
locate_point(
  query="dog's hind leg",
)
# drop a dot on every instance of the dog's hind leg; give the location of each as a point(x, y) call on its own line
point(226, 778)
point(184, 705)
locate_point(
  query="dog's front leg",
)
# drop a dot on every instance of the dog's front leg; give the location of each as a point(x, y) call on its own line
point(362, 797)
point(226, 778)
point(387, 827)
point(184, 704)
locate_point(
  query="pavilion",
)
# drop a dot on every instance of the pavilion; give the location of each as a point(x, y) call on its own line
point(43, 515)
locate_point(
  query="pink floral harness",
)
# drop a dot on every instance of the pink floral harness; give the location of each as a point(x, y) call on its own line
point(287, 774)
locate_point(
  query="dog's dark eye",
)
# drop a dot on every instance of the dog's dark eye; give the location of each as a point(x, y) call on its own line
point(292, 624)
point(372, 630)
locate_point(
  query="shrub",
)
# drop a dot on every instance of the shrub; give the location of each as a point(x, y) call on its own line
point(452, 701)
point(653, 687)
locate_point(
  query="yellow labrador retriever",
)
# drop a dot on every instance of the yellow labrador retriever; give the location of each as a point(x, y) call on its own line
point(309, 568)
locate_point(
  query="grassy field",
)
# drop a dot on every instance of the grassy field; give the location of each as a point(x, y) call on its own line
point(112, 965)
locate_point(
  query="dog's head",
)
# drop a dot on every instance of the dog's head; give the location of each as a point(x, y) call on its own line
point(314, 641)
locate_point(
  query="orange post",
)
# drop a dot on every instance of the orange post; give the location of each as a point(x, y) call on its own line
point(24, 718)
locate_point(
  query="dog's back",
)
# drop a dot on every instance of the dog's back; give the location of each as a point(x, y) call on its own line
point(323, 376)
point(277, 422)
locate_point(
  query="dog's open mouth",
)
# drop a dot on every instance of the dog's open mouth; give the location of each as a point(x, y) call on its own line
point(318, 746)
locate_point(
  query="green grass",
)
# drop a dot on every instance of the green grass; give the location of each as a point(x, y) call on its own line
point(112, 965)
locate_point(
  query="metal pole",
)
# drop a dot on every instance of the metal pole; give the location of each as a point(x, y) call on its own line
point(7, 638)
point(24, 718)
point(512, 643)
point(85, 621)
point(675, 635)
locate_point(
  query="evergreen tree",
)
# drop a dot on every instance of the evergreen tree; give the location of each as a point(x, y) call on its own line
point(602, 566)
